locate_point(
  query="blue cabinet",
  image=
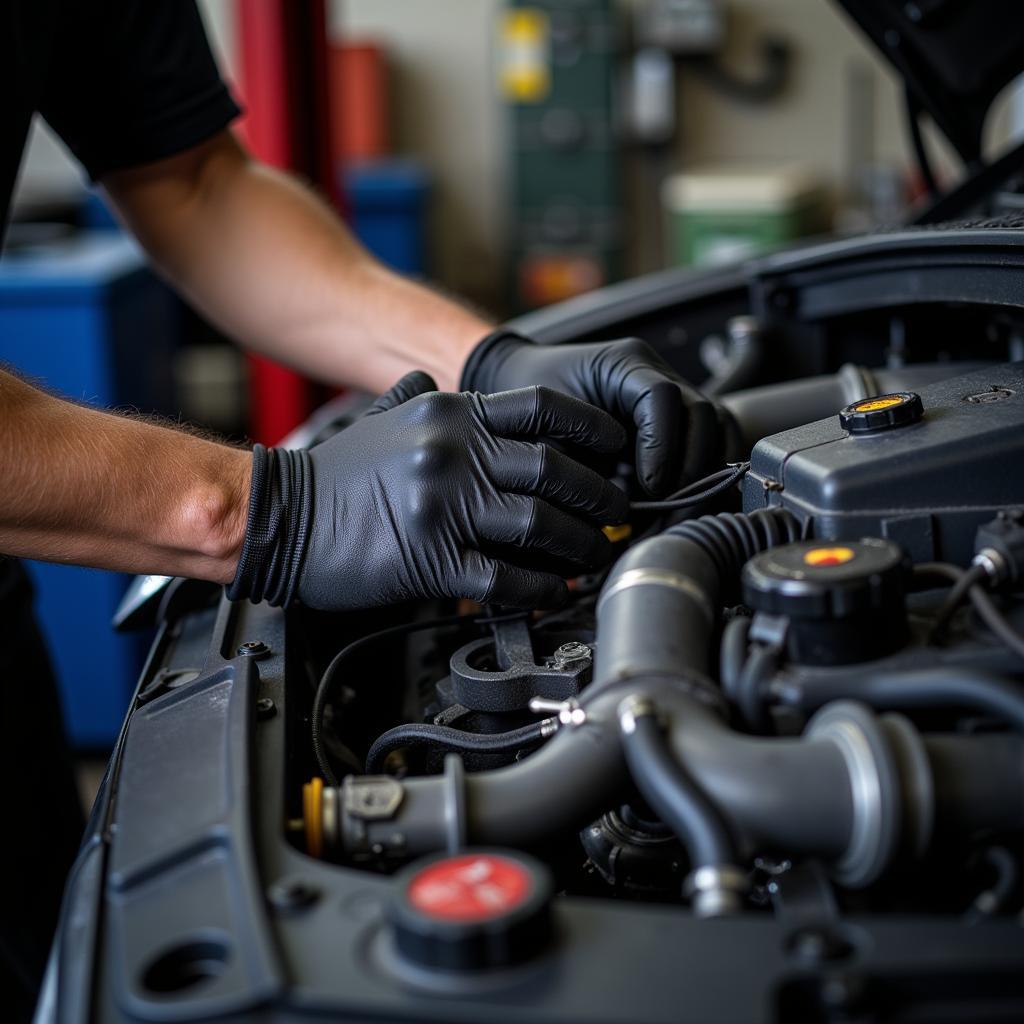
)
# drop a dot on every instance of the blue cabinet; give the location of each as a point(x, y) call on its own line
point(84, 317)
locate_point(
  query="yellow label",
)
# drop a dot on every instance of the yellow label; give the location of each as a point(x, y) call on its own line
point(525, 72)
point(617, 533)
point(874, 404)
point(829, 556)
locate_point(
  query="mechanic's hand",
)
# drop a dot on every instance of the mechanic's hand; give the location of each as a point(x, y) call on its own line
point(677, 432)
point(417, 498)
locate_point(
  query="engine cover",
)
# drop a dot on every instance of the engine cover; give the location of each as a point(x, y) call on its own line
point(926, 483)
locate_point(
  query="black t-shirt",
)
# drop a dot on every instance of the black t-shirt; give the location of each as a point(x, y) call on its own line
point(123, 82)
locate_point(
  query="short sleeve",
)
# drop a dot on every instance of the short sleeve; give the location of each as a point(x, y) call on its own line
point(132, 81)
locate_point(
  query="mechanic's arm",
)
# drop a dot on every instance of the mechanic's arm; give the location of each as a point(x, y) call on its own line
point(262, 257)
point(275, 268)
point(91, 488)
point(428, 495)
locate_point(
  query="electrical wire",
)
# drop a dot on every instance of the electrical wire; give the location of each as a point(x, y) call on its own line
point(946, 570)
point(962, 580)
point(995, 620)
point(957, 595)
point(696, 493)
point(970, 583)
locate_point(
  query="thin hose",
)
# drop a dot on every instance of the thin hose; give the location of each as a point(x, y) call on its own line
point(419, 735)
point(970, 583)
point(672, 793)
point(995, 620)
point(927, 688)
point(752, 684)
point(956, 596)
point(733, 653)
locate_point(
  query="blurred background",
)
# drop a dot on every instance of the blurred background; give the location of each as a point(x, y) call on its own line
point(513, 153)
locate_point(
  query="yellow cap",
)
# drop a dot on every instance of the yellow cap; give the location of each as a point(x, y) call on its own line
point(829, 556)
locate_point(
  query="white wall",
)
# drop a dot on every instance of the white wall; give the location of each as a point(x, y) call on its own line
point(446, 111)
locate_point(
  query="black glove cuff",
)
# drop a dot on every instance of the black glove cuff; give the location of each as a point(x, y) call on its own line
point(485, 360)
point(277, 530)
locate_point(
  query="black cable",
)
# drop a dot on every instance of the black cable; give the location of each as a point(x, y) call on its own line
point(712, 485)
point(969, 582)
point(775, 55)
point(422, 734)
point(946, 570)
point(995, 620)
point(962, 580)
point(323, 688)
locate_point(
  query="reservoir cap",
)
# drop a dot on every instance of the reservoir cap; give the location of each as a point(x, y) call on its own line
point(475, 910)
point(826, 579)
point(883, 412)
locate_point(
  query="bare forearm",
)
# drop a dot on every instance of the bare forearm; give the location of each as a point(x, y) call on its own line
point(270, 264)
point(90, 488)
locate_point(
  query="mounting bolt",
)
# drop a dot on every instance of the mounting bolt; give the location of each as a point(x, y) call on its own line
point(570, 654)
point(265, 708)
point(292, 894)
point(253, 649)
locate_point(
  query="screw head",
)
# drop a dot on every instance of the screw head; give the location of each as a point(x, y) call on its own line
point(265, 708)
point(570, 653)
point(253, 649)
point(291, 894)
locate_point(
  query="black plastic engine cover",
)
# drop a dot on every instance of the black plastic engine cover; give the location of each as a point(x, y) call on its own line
point(927, 485)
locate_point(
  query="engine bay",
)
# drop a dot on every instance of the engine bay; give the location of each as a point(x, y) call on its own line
point(768, 765)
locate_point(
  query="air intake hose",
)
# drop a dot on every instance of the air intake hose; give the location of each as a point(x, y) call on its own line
point(660, 604)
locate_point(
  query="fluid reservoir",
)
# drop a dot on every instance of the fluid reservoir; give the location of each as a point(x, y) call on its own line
point(844, 600)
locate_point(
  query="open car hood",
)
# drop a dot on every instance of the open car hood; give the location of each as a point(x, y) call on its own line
point(954, 56)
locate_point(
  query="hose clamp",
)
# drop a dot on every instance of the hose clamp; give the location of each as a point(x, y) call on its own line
point(330, 819)
point(874, 789)
point(716, 889)
point(631, 708)
point(658, 578)
point(455, 815)
point(993, 563)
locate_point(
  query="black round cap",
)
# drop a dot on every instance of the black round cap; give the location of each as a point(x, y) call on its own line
point(475, 910)
point(882, 412)
point(824, 579)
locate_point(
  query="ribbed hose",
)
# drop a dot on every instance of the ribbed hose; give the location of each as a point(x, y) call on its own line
point(730, 540)
point(660, 604)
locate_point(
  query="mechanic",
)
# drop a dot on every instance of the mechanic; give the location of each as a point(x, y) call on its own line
point(448, 493)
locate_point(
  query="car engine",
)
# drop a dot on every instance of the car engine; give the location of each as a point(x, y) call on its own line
point(769, 765)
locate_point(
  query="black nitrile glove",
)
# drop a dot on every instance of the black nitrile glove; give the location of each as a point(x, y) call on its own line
point(677, 432)
point(415, 499)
